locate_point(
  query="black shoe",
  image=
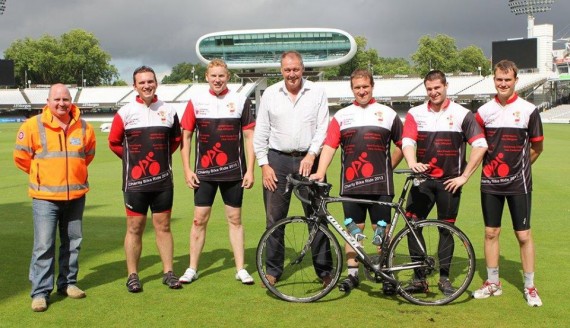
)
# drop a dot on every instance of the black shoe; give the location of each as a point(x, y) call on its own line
point(416, 287)
point(388, 288)
point(349, 284)
point(134, 284)
point(171, 280)
point(445, 286)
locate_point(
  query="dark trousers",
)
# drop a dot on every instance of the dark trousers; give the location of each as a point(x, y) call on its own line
point(277, 207)
point(420, 202)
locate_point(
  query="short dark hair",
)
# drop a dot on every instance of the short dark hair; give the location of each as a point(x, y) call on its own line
point(143, 69)
point(505, 66)
point(362, 73)
point(435, 75)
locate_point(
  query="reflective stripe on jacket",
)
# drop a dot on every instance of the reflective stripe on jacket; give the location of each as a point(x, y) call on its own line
point(55, 159)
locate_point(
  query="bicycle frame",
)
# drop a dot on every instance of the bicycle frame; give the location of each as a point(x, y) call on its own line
point(320, 201)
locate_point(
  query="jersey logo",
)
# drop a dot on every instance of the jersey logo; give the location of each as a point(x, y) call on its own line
point(380, 116)
point(496, 167)
point(450, 121)
point(162, 115)
point(231, 107)
point(359, 167)
point(21, 135)
point(215, 155)
point(146, 167)
point(517, 116)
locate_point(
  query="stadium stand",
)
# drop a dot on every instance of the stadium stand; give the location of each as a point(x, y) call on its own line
point(11, 97)
point(171, 92)
point(484, 86)
point(103, 95)
point(39, 96)
point(400, 92)
point(397, 88)
point(187, 94)
point(558, 114)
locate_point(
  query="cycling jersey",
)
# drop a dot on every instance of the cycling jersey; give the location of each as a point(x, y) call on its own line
point(219, 121)
point(365, 135)
point(509, 130)
point(440, 137)
point(145, 138)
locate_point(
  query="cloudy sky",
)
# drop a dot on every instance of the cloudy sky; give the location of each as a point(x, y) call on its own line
point(164, 33)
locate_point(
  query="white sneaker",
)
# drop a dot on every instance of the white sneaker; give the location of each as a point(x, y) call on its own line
point(188, 276)
point(245, 278)
point(532, 298)
point(488, 289)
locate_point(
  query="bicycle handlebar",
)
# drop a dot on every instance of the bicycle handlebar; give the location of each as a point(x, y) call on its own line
point(322, 188)
point(296, 180)
point(412, 174)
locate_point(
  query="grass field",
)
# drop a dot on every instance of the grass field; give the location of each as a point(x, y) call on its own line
point(216, 299)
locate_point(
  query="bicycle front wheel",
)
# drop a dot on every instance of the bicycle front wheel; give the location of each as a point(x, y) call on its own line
point(299, 260)
point(422, 275)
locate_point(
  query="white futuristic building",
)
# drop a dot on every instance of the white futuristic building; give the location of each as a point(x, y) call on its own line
point(255, 49)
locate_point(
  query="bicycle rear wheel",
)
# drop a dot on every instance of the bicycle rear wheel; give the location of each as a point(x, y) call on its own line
point(448, 253)
point(305, 271)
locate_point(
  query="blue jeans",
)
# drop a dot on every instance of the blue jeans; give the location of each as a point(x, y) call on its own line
point(67, 217)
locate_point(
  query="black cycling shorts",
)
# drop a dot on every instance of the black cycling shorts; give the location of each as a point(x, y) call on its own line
point(422, 198)
point(357, 211)
point(519, 206)
point(232, 193)
point(137, 203)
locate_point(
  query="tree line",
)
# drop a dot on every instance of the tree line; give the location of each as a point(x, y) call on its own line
point(76, 57)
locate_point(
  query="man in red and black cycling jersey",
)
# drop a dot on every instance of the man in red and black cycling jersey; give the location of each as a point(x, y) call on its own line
point(144, 134)
point(222, 119)
point(364, 130)
point(434, 142)
point(514, 131)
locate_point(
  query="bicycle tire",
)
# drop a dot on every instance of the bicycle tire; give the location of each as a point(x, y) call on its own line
point(461, 269)
point(298, 281)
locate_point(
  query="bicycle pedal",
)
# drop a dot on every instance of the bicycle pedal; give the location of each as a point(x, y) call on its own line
point(345, 287)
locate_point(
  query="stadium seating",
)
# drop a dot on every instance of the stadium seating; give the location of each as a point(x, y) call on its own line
point(397, 89)
point(558, 114)
point(103, 95)
point(12, 96)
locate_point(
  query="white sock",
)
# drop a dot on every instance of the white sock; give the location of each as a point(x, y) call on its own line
point(353, 271)
point(528, 279)
point(493, 275)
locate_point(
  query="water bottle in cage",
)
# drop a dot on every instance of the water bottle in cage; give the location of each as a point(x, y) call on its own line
point(353, 229)
point(379, 233)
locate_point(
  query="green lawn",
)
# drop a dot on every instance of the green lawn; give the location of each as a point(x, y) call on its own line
point(216, 299)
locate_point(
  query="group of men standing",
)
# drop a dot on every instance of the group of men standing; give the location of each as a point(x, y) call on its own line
point(291, 134)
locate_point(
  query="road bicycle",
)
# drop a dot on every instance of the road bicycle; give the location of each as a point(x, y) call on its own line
point(413, 254)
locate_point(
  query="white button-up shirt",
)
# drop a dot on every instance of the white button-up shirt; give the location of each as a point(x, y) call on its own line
point(288, 126)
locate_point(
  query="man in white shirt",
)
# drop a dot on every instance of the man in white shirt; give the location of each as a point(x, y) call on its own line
point(291, 125)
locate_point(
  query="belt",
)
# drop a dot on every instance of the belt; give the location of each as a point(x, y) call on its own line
point(292, 154)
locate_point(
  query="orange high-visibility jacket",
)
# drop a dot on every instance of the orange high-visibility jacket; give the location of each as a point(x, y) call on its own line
point(55, 159)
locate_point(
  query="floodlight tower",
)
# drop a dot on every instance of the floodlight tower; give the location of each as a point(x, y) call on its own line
point(529, 8)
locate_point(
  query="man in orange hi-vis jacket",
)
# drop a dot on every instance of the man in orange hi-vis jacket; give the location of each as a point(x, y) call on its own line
point(54, 148)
